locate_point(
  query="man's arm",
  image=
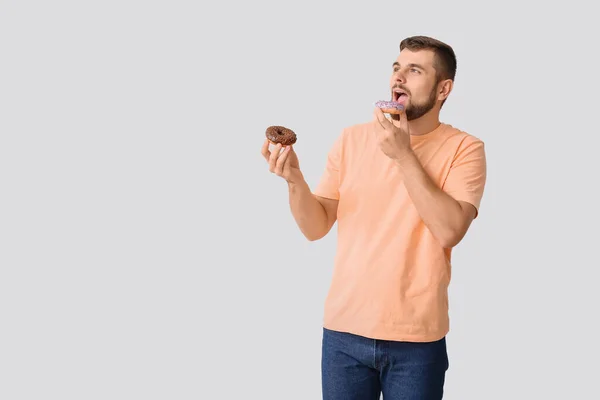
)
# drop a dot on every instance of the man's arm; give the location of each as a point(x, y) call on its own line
point(314, 215)
point(448, 211)
point(447, 219)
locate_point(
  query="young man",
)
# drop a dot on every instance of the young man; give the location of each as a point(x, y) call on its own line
point(404, 190)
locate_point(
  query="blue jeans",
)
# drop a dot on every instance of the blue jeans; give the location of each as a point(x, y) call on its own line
point(357, 368)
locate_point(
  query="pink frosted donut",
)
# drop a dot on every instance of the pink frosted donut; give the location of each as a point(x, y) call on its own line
point(390, 107)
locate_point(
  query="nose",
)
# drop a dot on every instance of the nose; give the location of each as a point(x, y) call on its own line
point(399, 77)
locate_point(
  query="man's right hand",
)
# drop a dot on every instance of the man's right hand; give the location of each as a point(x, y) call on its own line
point(314, 215)
point(282, 163)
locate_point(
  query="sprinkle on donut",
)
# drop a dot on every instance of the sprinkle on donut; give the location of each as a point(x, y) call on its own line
point(390, 107)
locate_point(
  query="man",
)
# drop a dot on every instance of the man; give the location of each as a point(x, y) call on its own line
point(404, 191)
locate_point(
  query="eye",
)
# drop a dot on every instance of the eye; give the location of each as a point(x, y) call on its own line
point(415, 70)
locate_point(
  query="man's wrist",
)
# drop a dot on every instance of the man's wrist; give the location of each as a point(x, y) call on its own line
point(405, 158)
point(296, 180)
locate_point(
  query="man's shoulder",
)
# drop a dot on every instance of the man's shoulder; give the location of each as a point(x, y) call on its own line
point(459, 144)
point(464, 137)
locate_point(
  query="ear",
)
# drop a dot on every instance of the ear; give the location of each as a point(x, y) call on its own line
point(444, 89)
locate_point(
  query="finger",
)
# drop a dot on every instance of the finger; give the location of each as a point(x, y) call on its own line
point(290, 150)
point(274, 156)
point(383, 125)
point(280, 164)
point(265, 150)
point(403, 121)
point(383, 121)
point(378, 113)
point(379, 128)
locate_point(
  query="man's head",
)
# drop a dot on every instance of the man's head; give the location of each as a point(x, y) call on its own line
point(423, 75)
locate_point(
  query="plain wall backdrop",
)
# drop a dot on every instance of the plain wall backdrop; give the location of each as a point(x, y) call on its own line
point(146, 252)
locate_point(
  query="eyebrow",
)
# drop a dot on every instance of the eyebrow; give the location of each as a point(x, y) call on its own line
point(411, 65)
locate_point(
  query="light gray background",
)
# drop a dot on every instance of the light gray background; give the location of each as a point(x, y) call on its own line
point(146, 252)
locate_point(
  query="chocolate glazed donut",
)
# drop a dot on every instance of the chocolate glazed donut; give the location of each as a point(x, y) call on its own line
point(281, 134)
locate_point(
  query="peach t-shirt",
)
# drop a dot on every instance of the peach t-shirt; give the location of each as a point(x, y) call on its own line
point(390, 279)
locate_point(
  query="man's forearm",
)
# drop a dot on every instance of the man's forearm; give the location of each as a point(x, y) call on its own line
point(308, 212)
point(442, 214)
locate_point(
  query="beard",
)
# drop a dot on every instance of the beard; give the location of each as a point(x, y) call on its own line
point(417, 110)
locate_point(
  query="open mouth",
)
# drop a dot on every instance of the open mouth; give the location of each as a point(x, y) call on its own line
point(400, 96)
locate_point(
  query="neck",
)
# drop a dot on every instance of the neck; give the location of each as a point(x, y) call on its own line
point(424, 124)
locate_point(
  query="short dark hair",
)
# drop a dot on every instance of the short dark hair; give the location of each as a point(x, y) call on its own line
point(445, 59)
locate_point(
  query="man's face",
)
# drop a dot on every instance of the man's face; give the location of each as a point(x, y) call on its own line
point(414, 82)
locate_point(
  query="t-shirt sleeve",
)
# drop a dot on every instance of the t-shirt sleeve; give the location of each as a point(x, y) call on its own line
point(329, 184)
point(467, 177)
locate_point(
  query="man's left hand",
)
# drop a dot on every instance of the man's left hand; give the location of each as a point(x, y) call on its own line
point(394, 136)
